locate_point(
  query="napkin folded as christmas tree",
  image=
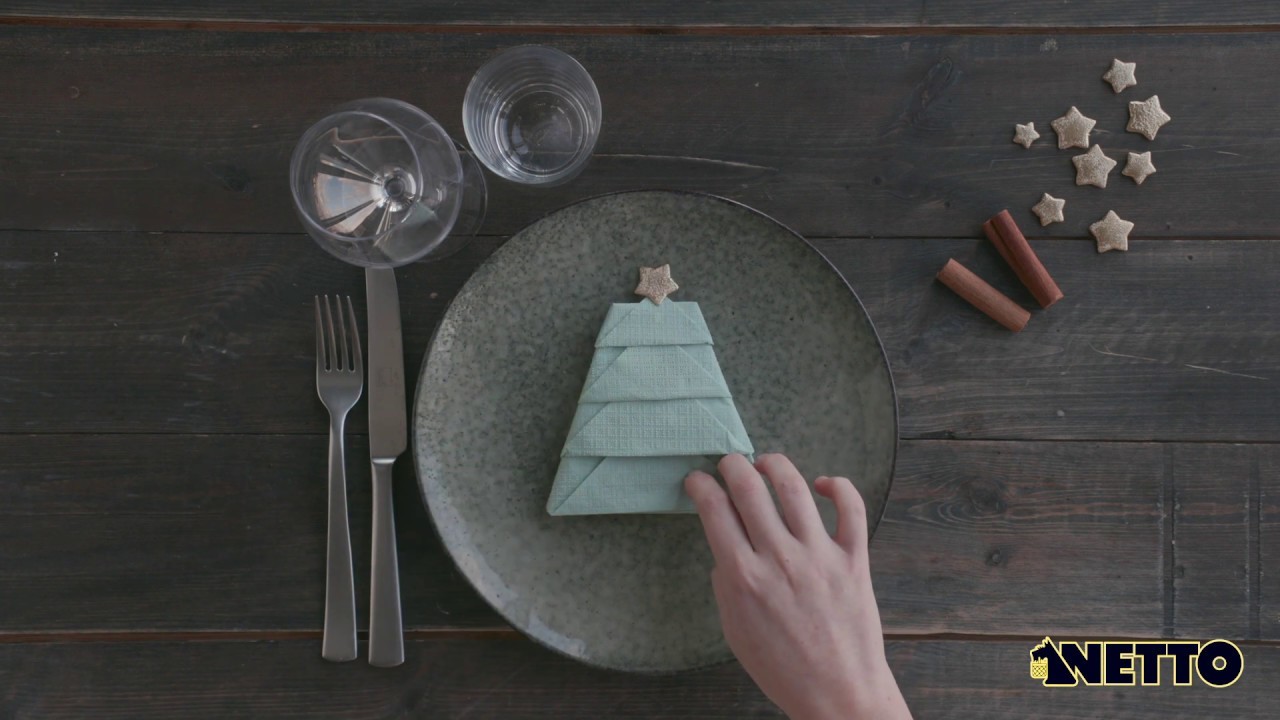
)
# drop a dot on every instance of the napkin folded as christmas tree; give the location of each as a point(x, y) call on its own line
point(654, 407)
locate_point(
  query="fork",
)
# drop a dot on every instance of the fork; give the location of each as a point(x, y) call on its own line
point(339, 382)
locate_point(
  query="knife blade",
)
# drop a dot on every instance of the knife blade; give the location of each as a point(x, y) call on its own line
point(388, 437)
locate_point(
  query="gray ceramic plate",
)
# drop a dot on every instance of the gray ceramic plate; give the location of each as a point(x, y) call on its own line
point(501, 382)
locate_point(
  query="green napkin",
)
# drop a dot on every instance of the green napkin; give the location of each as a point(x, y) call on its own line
point(654, 407)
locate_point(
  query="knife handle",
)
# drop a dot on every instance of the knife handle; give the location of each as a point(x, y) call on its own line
point(386, 629)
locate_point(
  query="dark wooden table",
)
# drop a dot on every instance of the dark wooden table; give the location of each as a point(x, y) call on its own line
point(1109, 472)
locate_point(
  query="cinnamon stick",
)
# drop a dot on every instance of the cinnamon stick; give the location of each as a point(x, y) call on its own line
point(979, 294)
point(1012, 245)
point(993, 235)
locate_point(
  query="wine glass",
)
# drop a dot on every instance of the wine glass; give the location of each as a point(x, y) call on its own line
point(379, 183)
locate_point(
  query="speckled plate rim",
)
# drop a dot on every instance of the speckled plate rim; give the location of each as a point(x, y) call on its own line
point(417, 399)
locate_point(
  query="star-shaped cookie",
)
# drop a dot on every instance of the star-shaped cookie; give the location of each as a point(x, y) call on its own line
point(1024, 135)
point(1073, 129)
point(1049, 209)
point(1093, 167)
point(1121, 75)
point(1146, 117)
point(1111, 232)
point(1139, 166)
point(656, 283)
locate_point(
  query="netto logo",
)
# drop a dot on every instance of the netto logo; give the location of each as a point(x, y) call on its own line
point(1218, 663)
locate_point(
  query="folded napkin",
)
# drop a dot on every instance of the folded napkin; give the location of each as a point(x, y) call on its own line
point(654, 407)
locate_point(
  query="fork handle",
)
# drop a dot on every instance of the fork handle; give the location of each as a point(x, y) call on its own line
point(339, 642)
point(386, 629)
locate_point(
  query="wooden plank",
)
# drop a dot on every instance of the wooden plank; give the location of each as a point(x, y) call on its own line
point(1128, 539)
point(801, 14)
point(122, 533)
point(1215, 525)
point(193, 333)
point(181, 334)
point(447, 678)
point(976, 535)
point(890, 136)
point(1265, 543)
point(504, 678)
point(1171, 341)
point(192, 533)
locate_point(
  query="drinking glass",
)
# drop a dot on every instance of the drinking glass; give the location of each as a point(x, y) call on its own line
point(532, 115)
point(378, 183)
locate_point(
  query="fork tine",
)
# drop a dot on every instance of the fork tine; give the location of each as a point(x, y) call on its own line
point(319, 338)
point(333, 340)
point(344, 360)
point(356, 354)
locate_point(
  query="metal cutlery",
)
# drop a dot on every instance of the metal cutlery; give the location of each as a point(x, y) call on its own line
point(339, 381)
point(388, 438)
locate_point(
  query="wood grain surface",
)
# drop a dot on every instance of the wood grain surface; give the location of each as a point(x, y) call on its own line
point(671, 15)
point(194, 533)
point(1111, 471)
point(902, 136)
point(507, 678)
point(1175, 340)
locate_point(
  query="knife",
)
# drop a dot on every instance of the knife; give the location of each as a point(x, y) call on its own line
point(388, 438)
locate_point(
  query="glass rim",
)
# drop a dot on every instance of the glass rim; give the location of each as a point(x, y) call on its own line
point(354, 108)
point(526, 48)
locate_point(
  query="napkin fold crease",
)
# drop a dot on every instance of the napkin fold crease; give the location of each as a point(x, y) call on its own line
point(655, 406)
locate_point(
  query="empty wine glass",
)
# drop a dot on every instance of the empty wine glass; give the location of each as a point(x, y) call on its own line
point(379, 183)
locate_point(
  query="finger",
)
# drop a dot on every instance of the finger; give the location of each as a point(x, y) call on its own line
point(798, 508)
point(753, 503)
point(851, 529)
point(720, 521)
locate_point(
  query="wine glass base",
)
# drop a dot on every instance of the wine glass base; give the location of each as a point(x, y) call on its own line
point(475, 201)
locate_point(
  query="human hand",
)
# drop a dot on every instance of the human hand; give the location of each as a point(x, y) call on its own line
point(796, 604)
